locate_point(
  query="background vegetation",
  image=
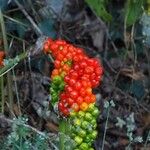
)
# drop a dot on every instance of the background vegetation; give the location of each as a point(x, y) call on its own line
point(115, 31)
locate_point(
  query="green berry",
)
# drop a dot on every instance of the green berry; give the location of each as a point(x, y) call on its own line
point(57, 80)
point(91, 107)
point(95, 112)
point(77, 122)
point(87, 139)
point(94, 123)
point(78, 140)
point(85, 125)
point(81, 114)
point(73, 114)
point(88, 116)
point(61, 86)
point(84, 146)
point(81, 132)
point(93, 135)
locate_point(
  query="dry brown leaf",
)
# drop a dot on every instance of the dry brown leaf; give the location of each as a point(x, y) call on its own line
point(130, 72)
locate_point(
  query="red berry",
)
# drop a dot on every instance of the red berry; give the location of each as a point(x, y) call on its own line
point(66, 79)
point(74, 74)
point(78, 85)
point(60, 42)
point(76, 67)
point(89, 70)
point(82, 92)
point(72, 82)
point(57, 63)
point(68, 89)
point(83, 64)
point(87, 99)
point(79, 100)
point(74, 94)
point(70, 101)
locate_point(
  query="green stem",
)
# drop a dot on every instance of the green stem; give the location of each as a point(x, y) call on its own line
point(62, 130)
point(2, 94)
point(108, 113)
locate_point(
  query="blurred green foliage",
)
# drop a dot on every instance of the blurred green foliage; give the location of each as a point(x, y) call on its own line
point(133, 11)
point(99, 7)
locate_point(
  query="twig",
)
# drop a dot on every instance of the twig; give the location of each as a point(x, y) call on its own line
point(37, 29)
point(14, 20)
point(108, 113)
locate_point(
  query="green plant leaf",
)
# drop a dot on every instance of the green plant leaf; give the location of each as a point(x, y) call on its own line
point(133, 11)
point(99, 7)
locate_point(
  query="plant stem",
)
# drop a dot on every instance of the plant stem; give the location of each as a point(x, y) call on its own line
point(17, 94)
point(108, 113)
point(64, 130)
point(145, 144)
point(9, 80)
point(2, 94)
point(129, 146)
point(62, 133)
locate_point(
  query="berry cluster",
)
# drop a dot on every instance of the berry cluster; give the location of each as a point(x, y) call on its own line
point(62, 66)
point(84, 127)
point(80, 74)
point(73, 78)
point(2, 55)
point(82, 77)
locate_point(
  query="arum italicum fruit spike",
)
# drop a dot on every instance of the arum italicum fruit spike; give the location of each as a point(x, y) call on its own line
point(73, 77)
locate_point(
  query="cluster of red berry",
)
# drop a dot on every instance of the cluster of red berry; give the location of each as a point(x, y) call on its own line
point(80, 73)
point(82, 77)
point(73, 78)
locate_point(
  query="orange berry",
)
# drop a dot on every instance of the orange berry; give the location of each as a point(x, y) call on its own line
point(66, 68)
point(84, 106)
point(60, 70)
point(55, 72)
point(65, 59)
point(93, 98)
point(89, 91)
